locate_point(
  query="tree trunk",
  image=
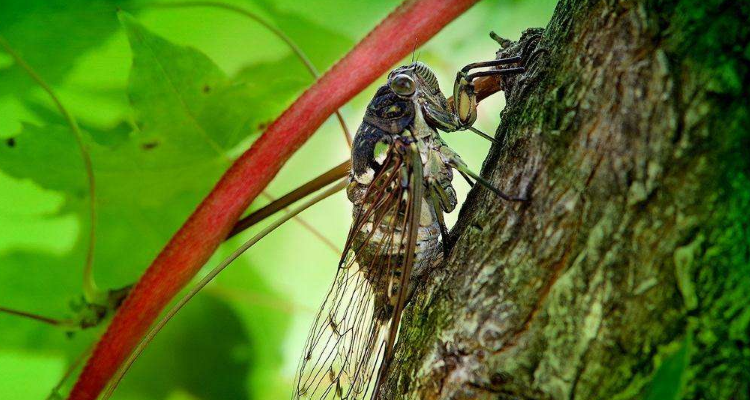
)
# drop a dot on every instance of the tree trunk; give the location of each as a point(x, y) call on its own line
point(627, 275)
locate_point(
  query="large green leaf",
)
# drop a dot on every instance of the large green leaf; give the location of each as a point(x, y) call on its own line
point(181, 99)
point(190, 116)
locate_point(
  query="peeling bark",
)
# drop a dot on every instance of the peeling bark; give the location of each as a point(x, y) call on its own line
point(627, 275)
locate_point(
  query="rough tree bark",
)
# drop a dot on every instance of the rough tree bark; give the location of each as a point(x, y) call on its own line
point(627, 274)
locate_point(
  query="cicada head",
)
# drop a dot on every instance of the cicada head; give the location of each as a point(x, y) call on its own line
point(423, 80)
point(426, 94)
point(409, 88)
point(390, 111)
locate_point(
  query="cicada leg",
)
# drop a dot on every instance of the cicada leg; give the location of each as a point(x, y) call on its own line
point(464, 95)
point(458, 164)
point(435, 198)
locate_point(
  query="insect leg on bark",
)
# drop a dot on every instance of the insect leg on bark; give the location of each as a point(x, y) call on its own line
point(464, 169)
point(465, 95)
point(492, 63)
point(435, 195)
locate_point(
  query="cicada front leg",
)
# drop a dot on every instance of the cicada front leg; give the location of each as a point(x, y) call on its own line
point(464, 94)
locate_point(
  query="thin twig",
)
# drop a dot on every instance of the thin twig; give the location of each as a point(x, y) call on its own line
point(208, 278)
point(258, 299)
point(276, 31)
point(317, 183)
point(306, 225)
point(90, 290)
point(276, 205)
point(71, 369)
point(35, 317)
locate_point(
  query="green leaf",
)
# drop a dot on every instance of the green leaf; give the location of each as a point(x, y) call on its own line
point(47, 155)
point(190, 117)
point(172, 88)
point(323, 45)
point(150, 180)
point(28, 377)
point(278, 81)
point(51, 35)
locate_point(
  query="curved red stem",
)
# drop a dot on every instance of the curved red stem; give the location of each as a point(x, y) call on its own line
point(393, 39)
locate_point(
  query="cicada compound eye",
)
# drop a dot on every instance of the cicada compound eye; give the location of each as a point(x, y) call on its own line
point(403, 85)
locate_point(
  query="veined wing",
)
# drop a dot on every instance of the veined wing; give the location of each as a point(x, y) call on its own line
point(352, 339)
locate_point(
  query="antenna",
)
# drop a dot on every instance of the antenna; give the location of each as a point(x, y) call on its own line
point(414, 50)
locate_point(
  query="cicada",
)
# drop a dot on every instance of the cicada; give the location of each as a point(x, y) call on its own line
point(400, 186)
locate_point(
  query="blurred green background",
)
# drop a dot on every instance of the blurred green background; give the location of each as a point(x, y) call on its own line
point(166, 99)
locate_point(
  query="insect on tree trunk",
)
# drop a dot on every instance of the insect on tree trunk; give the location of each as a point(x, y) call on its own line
point(627, 274)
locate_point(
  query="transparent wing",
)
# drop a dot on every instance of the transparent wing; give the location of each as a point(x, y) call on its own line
point(355, 328)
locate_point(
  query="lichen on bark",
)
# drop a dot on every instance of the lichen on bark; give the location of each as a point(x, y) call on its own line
point(627, 274)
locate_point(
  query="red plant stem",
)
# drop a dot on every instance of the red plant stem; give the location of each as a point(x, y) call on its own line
point(414, 22)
